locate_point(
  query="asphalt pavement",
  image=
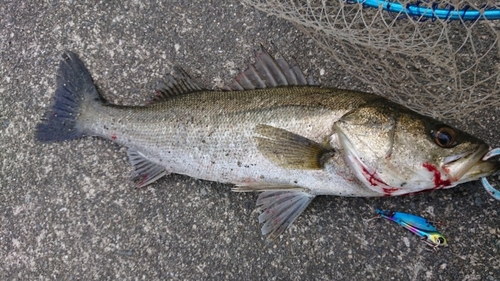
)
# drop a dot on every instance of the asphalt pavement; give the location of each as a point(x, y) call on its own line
point(69, 211)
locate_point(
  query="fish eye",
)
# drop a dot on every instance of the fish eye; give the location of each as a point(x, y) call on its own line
point(444, 136)
point(440, 240)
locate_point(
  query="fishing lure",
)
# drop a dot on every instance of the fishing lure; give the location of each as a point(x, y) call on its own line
point(495, 193)
point(448, 12)
point(418, 225)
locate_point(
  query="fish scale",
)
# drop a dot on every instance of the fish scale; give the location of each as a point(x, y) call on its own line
point(195, 136)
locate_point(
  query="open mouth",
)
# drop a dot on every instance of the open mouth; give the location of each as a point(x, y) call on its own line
point(470, 166)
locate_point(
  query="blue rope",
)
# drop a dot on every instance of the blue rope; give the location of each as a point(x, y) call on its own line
point(448, 12)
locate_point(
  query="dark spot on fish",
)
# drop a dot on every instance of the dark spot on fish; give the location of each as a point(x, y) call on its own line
point(227, 154)
point(105, 127)
point(261, 177)
point(203, 141)
point(239, 164)
point(247, 166)
point(295, 181)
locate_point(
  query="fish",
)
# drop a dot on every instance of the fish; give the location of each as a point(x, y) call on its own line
point(271, 130)
point(417, 225)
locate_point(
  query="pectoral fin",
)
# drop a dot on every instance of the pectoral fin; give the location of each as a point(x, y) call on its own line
point(290, 150)
point(145, 171)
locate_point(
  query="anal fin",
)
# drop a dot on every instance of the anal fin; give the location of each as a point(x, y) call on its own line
point(280, 209)
point(145, 171)
point(280, 204)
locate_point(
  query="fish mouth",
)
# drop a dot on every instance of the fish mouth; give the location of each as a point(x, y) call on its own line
point(469, 166)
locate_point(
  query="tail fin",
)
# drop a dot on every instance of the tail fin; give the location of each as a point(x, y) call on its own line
point(74, 89)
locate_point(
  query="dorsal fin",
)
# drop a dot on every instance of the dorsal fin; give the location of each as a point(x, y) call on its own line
point(268, 72)
point(174, 85)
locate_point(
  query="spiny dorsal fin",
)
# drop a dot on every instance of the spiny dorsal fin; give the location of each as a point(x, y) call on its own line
point(174, 85)
point(290, 150)
point(268, 72)
point(144, 170)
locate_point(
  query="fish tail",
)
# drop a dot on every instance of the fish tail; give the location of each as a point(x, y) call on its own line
point(75, 91)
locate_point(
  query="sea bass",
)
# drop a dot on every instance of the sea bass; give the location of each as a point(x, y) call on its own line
point(274, 131)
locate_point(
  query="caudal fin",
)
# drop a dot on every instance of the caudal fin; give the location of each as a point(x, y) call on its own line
point(75, 88)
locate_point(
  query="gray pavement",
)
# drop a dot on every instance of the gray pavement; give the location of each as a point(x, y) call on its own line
point(68, 211)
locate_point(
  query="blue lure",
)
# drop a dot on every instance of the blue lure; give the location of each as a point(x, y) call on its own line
point(418, 225)
point(433, 12)
point(495, 193)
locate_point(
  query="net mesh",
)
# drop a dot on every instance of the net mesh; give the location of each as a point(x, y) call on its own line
point(439, 67)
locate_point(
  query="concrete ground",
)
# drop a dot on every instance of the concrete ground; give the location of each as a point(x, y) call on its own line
point(68, 211)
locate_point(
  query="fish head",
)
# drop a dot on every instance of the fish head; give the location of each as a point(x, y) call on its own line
point(395, 151)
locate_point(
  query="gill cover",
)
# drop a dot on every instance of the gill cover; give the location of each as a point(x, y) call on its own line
point(395, 151)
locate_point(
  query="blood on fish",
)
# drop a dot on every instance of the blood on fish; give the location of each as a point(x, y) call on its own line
point(143, 178)
point(375, 180)
point(438, 182)
point(389, 190)
point(372, 178)
point(446, 169)
point(113, 137)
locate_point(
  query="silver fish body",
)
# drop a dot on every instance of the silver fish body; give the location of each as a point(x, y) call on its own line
point(274, 132)
point(211, 135)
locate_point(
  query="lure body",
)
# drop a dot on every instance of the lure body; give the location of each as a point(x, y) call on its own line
point(417, 225)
